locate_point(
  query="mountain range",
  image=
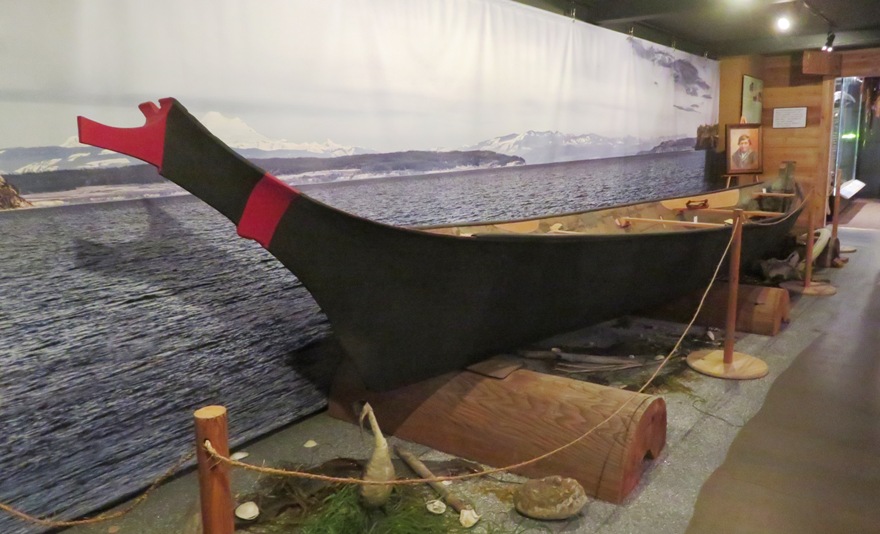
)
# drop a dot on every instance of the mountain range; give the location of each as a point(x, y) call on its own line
point(549, 147)
point(532, 146)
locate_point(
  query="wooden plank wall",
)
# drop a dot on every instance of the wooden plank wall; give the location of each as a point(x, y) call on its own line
point(731, 71)
point(864, 62)
point(785, 85)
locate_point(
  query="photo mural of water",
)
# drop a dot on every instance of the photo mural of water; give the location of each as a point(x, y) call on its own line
point(132, 314)
point(125, 304)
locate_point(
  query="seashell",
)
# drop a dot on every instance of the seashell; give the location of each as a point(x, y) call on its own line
point(247, 511)
point(240, 455)
point(310, 444)
point(436, 506)
point(468, 518)
point(550, 498)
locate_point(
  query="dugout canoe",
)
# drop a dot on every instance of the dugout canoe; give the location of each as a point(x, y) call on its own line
point(409, 303)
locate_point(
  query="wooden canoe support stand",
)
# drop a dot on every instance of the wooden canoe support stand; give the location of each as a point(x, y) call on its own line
point(808, 286)
point(727, 363)
point(759, 309)
point(501, 422)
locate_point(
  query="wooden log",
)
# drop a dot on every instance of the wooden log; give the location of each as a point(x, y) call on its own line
point(759, 309)
point(504, 422)
point(214, 489)
point(422, 470)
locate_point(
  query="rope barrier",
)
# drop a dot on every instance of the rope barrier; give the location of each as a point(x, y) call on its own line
point(102, 517)
point(345, 480)
point(402, 482)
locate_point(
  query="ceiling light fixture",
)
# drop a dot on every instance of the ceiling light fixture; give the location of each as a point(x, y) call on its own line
point(783, 23)
point(829, 42)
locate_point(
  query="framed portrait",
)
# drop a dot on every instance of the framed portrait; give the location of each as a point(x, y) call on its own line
point(744, 149)
point(752, 99)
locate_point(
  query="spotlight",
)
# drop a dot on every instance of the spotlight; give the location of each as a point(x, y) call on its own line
point(783, 23)
point(829, 42)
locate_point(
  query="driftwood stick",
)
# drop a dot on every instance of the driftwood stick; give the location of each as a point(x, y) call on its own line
point(574, 357)
point(422, 470)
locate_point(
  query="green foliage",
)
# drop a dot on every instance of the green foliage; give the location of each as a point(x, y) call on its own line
point(342, 513)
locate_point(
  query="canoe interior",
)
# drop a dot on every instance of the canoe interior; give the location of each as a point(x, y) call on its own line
point(711, 208)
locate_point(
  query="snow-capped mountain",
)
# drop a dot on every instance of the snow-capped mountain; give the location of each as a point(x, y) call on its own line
point(55, 158)
point(250, 143)
point(233, 131)
point(546, 147)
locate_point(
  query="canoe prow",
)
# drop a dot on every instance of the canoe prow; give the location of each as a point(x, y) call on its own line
point(412, 303)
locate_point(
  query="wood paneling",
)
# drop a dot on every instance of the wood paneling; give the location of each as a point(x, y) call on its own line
point(786, 86)
point(819, 62)
point(787, 71)
point(860, 62)
point(731, 72)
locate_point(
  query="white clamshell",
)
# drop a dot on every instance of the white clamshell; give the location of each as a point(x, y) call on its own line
point(436, 506)
point(468, 518)
point(310, 444)
point(240, 455)
point(247, 511)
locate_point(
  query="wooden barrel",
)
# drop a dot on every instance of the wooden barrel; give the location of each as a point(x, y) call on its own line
point(501, 422)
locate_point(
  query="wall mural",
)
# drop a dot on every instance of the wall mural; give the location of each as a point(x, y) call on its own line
point(126, 304)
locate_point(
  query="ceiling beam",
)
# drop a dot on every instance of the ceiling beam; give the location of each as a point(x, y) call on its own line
point(779, 45)
point(617, 12)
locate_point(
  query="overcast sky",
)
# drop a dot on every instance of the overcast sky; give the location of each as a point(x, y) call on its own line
point(381, 74)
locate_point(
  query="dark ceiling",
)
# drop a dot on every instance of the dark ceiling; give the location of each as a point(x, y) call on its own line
point(719, 28)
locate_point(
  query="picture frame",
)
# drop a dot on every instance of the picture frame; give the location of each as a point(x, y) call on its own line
point(752, 100)
point(745, 149)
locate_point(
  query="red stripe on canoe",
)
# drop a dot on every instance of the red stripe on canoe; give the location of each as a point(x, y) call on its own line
point(267, 203)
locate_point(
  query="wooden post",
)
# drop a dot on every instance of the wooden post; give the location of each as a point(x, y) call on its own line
point(214, 490)
point(811, 231)
point(727, 363)
point(808, 286)
point(733, 287)
point(835, 219)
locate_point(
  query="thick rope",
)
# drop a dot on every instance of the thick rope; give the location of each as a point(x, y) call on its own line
point(101, 517)
point(343, 480)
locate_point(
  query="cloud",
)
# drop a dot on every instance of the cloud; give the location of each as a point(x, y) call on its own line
point(691, 109)
point(685, 74)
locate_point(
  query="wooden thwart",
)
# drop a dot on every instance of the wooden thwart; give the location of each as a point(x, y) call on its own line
point(774, 195)
point(625, 221)
point(747, 213)
point(504, 422)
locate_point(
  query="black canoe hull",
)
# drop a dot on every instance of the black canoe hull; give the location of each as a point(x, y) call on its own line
point(407, 304)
